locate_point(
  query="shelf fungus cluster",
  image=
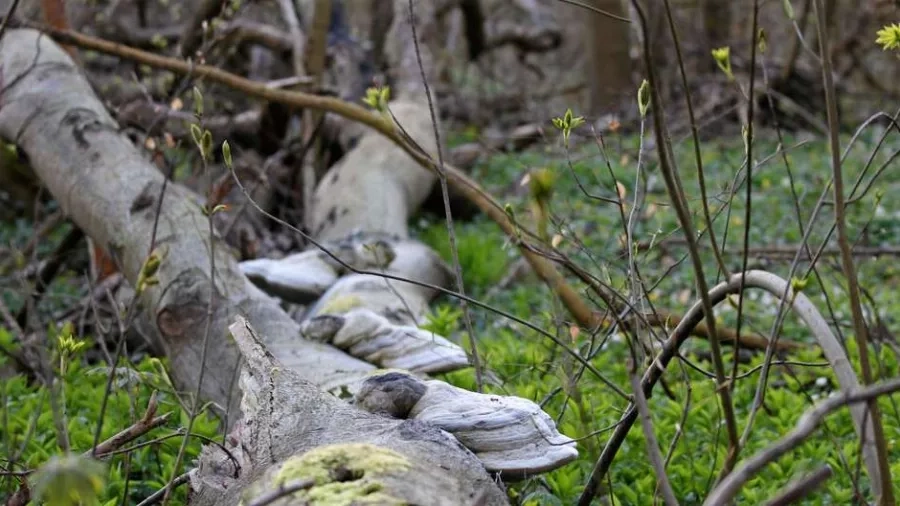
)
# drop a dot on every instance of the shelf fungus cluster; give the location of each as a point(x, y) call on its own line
point(512, 436)
point(368, 296)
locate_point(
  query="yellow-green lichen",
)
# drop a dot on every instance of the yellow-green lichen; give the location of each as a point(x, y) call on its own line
point(344, 474)
point(381, 372)
point(340, 304)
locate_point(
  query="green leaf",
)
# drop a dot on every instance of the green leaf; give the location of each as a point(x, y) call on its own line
point(198, 102)
point(196, 134)
point(788, 9)
point(206, 144)
point(644, 98)
point(71, 480)
point(226, 154)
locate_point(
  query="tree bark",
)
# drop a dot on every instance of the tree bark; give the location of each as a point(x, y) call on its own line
point(717, 25)
point(607, 48)
point(111, 191)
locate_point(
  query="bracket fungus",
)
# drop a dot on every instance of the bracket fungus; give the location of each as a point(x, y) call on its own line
point(376, 319)
point(373, 338)
point(510, 435)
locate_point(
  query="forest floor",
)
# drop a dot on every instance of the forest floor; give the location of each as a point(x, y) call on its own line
point(786, 184)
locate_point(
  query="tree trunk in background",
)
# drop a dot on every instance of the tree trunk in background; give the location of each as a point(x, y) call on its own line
point(717, 21)
point(607, 48)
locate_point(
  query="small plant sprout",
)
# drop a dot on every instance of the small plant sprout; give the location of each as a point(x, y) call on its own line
point(68, 345)
point(147, 276)
point(644, 97)
point(889, 37)
point(198, 102)
point(196, 134)
point(377, 98)
point(567, 123)
point(511, 213)
point(798, 284)
point(226, 154)
point(788, 9)
point(203, 139)
point(745, 135)
point(68, 481)
point(206, 145)
point(444, 320)
point(722, 56)
point(541, 184)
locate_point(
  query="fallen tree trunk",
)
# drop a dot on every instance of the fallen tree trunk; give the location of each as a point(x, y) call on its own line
point(359, 213)
point(110, 191)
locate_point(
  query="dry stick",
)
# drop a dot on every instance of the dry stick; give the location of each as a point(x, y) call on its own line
point(725, 492)
point(210, 308)
point(289, 12)
point(662, 480)
point(886, 493)
point(745, 257)
point(282, 491)
point(596, 9)
point(445, 193)
point(9, 14)
point(801, 305)
point(147, 423)
point(157, 496)
point(695, 135)
point(802, 487)
point(676, 195)
point(308, 61)
point(314, 58)
point(456, 179)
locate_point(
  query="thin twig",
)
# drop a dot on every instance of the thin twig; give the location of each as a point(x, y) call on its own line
point(210, 309)
point(283, 490)
point(678, 199)
point(596, 9)
point(9, 14)
point(445, 193)
point(882, 484)
point(695, 135)
point(157, 496)
point(803, 487)
point(662, 479)
point(748, 215)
